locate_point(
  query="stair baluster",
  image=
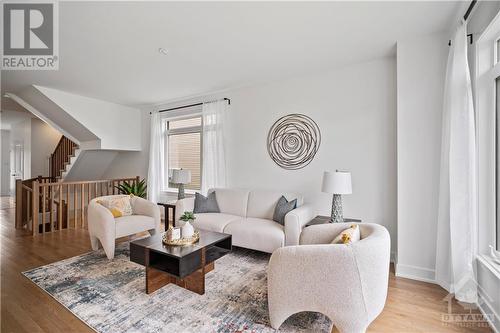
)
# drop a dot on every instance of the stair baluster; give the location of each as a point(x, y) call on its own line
point(44, 204)
point(61, 156)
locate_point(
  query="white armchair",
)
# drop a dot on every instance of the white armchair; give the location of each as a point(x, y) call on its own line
point(347, 283)
point(104, 228)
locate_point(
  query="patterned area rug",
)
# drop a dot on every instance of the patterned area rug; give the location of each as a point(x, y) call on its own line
point(109, 296)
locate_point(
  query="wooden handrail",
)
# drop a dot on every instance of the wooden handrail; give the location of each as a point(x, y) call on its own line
point(37, 178)
point(89, 181)
point(60, 141)
point(40, 179)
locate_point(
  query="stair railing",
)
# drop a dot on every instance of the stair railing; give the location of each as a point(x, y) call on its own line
point(24, 190)
point(61, 156)
point(44, 205)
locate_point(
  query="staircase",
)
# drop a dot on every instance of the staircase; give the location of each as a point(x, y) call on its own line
point(63, 157)
point(94, 131)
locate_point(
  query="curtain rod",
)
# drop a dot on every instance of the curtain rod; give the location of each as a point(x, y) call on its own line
point(191, 105)
point(469, 10)
point(466, 16)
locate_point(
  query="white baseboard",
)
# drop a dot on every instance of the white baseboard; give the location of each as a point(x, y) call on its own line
point(486, 310)
point(415, 273)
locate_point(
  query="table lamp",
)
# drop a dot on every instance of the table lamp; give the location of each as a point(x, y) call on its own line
point(337, 183)
point(181, 177)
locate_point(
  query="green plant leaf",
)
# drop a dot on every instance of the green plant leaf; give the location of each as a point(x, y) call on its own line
point(187, 216)
point(139, 189)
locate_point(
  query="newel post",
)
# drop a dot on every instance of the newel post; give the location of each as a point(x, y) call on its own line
point(34, 204)
point(20, 205)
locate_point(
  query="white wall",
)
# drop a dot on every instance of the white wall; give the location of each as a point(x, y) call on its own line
point(44, 140)
point(39, 141)
point(355, 108)
point(91, 165)
point(117, 126)
point(131, 163)
point(20, 134)
point(421, 67)
point(5, 166)
point(42, 107)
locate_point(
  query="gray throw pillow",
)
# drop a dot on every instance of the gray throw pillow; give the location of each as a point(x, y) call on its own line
point(206, 204)
point(282, 208)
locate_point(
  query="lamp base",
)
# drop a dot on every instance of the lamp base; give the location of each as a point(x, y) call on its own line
point(337, 215)
point(181, 194)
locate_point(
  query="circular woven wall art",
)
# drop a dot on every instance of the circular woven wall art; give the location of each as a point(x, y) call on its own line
point(293, 140)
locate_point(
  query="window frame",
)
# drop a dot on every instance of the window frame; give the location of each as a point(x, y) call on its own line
point(487, 70)
point(496, 243)
point(496, 48)
point(166, 132)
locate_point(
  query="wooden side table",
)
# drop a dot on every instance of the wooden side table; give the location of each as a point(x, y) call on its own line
point(169, 206)
point(320, 219)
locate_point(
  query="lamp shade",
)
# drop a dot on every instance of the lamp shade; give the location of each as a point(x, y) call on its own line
point(181, 176)
point(338, 182)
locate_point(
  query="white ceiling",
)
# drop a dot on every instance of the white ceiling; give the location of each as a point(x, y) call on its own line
point(109, 50)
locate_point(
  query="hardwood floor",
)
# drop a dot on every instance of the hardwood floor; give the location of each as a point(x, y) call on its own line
point(411, 306)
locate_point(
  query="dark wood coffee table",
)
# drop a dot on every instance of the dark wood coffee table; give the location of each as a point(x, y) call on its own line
point(185, 266)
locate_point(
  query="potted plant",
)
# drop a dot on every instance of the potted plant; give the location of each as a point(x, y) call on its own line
point(187, 229)
point(139, 189)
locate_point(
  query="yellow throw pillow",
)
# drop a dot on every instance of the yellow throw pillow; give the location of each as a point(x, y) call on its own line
point(118, 206)
point(348, 236)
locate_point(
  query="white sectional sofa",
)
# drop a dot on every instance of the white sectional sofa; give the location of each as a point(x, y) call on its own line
point(248, 216)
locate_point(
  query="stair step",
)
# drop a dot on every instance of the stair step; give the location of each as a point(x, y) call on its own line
point(64, 155)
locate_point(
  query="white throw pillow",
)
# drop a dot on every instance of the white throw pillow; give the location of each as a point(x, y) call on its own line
point(118, 206)
point(348, 236)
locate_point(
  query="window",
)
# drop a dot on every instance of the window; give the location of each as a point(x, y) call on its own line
point(487, 93)
point(183, 149)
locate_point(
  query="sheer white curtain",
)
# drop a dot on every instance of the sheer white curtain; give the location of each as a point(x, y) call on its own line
point(457, 218)
point(213, 158)
point(157, 162)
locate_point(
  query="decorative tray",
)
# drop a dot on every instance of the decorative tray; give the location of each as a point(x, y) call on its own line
point(181, 241)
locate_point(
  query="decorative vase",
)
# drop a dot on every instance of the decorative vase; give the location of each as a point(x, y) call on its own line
point(187, 230)
point(170, 233)
point(181, 194)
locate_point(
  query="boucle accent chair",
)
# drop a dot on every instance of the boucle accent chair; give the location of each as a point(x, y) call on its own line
point(105, 228)
point(347, 283)
point(247, 215)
